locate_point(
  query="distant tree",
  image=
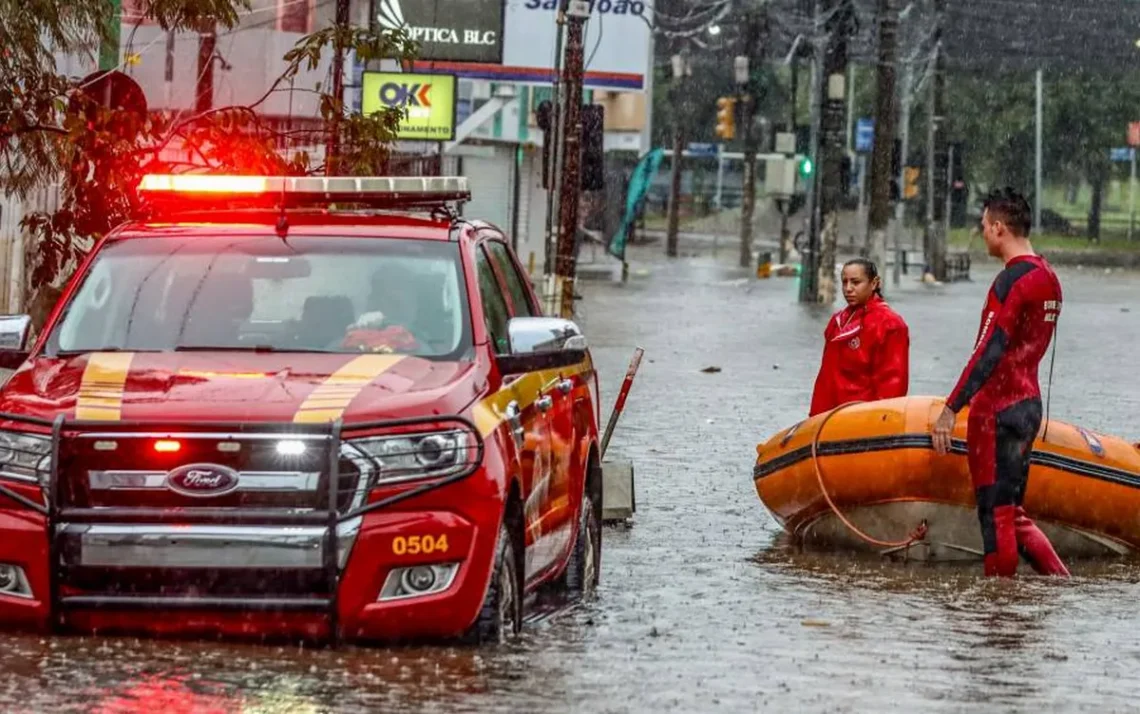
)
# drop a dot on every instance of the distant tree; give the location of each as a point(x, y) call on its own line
point(1086, 113)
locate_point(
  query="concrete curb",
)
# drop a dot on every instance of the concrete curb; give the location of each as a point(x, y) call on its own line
point(1078, 257)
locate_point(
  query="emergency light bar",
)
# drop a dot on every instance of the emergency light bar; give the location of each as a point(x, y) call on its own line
point(285, 191)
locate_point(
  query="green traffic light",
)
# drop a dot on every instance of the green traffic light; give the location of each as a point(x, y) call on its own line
point(806, 167)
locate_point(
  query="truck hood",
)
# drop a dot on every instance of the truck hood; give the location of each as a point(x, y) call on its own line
point(238, 387)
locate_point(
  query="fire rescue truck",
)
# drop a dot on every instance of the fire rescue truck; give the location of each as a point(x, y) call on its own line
point(318, 408)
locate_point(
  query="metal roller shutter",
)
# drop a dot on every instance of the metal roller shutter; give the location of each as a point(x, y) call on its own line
point(490, 176)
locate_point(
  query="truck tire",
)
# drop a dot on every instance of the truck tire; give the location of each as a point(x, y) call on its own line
point(584, 569)
point(500, 617)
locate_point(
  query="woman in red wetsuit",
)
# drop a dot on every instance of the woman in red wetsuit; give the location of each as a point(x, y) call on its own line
point(866, 353)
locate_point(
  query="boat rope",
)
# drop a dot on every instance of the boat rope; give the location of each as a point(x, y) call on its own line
point(918, 534)
point(1049, 386)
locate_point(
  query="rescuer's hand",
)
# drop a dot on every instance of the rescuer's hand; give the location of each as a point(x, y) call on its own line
point(942, 429)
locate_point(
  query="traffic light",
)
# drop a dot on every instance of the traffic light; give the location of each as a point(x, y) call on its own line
point(910, 175)
point(807, 167)
point(543, 116)
point(726, 118)
point(593, 147)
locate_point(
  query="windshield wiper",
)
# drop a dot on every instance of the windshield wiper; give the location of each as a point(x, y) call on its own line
point(73, 353)
point(250, 348)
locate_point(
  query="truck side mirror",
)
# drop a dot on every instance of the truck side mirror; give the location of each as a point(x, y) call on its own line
point(14, 333)
point(539, 343)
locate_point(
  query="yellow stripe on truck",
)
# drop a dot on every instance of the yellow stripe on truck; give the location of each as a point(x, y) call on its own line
point(491, 411)
point(102, 386)
point(329, 400)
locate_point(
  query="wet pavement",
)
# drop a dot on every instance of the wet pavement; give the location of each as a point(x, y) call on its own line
point(703, 606)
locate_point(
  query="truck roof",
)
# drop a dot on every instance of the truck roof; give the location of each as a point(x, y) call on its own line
point(364, 224)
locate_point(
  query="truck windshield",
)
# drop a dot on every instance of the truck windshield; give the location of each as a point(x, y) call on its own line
point(306, 294)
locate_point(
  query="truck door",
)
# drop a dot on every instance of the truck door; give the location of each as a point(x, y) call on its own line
point(556, 395)
point(534, 444)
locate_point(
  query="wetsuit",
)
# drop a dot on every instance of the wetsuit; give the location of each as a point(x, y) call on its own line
point(1000, 385)
point(865, 357)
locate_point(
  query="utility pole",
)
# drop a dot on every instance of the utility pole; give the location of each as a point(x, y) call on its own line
point(904, 121)
point(743, 73)
point(332, 148)
point(569, 197)
point(832, 144)
point(935, 205)
point(809, 260)
point(880, 214)
point(1039, 193)
point(681, 69)
point(204, 93)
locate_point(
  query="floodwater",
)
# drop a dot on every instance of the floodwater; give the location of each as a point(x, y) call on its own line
point(703, 605)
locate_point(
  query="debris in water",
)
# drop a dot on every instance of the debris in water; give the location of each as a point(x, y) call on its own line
point(815, 623)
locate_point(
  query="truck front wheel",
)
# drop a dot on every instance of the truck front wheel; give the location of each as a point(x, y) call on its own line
point(500, 618)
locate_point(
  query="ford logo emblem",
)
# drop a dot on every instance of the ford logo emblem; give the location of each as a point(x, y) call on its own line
point(202, 480)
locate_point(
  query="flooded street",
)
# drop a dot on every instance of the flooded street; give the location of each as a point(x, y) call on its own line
point(703, 607)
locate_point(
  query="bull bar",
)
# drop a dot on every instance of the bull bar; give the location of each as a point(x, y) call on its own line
point(329, 517)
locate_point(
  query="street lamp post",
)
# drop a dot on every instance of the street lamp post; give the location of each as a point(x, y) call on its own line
point(742, 74)
point(682, 68)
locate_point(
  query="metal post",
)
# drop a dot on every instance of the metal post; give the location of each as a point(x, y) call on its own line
point(850, 109)
point(1037, 166)
point(332, 149)
point(832, 100)
point(719, 198)
point(572, 156)
point(553, 173)
point(809, 261)
point(931, 121)
point(949, 186)
point(1132, 195)
point(879, 215)
point(680, 71)
point(861, 210)
point(204, 91)
point(673, 220)
point(168, 75)
point(748, 199)
point(935, 238)
point(904, 121)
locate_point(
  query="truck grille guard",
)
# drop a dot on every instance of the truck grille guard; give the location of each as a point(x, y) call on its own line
point(329, 516)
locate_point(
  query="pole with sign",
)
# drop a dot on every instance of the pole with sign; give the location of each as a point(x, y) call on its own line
point(1132, 197)
point(1133, 142)
point(428, 101)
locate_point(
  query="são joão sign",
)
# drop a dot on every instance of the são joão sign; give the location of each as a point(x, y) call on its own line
point(428, 98)
point(447, 30)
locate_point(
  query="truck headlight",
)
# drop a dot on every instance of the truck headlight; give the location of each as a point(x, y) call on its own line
point(407, 457)
point(25, 457)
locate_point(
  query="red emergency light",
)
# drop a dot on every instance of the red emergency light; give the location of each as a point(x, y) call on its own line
point(200, 183)
point(222, 191)
point(167, 446)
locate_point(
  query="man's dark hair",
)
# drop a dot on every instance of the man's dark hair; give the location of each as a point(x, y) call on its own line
point(1011, 208)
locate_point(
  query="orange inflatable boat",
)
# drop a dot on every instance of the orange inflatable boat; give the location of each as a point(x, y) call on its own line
point(866, 476)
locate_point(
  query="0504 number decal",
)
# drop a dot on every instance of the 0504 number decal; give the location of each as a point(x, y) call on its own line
point(415, 545)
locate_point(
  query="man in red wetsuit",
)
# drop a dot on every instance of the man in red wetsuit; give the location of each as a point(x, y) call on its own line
point(1000, 385)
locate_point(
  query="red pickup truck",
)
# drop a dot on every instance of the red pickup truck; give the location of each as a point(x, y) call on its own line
point(319, 408)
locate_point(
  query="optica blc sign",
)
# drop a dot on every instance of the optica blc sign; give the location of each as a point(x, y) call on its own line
point(429, 100)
